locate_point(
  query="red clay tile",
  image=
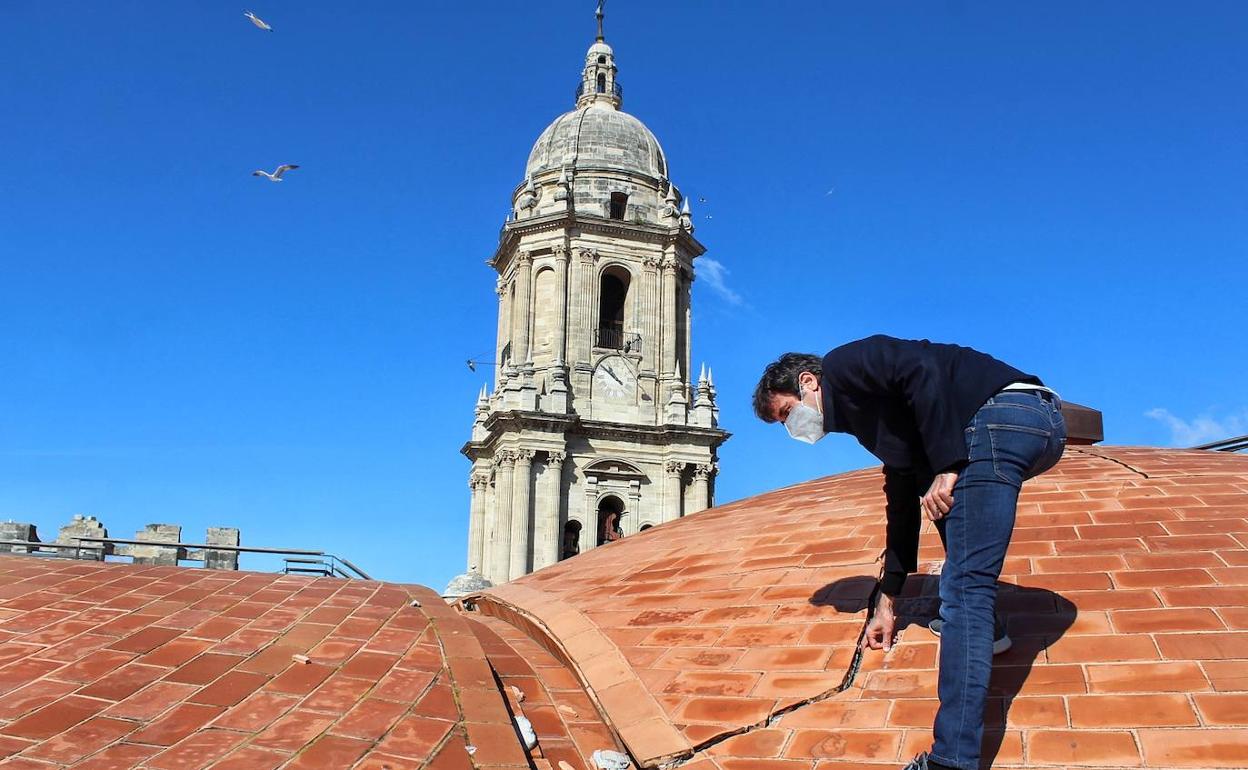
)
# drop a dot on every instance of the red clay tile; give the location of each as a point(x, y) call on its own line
point(177, 723)
point(1230, 709)
point(257, 712)
point(146, 639)
point(55, 718)
point(123, 682)
point(370, 719)
point(204, 669)
point(416, 737)
point(1130, 711)
point(330, 751)
point(229, 689)
point(35, 695)
point(198, 750)
point(151, 701)
point(81, 740)
point(293, 731)
point(121, 756)
point(300, 679)
point(251, 758)
point(1200, 748)
point(1082, 747)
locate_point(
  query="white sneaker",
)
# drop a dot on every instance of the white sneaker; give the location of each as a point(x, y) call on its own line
point(1001, 640)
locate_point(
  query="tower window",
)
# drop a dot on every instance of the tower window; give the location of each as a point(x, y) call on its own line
point(611, 310)
point(602, 60)
point(602, 83)
point(609, 512)
point(571, 540)
point(619, 203)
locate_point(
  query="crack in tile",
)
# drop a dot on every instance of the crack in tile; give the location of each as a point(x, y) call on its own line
point(1115, 460)
point(774, 717)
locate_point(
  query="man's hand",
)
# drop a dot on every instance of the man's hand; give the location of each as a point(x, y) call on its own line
point(881, 629)
point(939, 498)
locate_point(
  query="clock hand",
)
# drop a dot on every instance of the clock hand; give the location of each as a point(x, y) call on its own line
point(613, 375)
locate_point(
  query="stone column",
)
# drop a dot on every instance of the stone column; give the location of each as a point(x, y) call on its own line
point(650, 315)
point(585, 327)
point(521, 318)
point(521, 512)
point(668, 368)
point(560, 253)
point(499, 536)
point(547, 533)
point(673, 491)
point(477, 482)
point(589, 527)
point(701, 487)
point(500, 288)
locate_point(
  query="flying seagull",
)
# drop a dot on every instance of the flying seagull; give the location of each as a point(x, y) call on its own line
point(276, 176)
point(259, 22)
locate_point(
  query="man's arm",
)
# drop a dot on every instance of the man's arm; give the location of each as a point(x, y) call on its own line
point(901, 551)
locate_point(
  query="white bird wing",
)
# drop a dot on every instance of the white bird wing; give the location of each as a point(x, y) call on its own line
point(257, 20)
point(282, 169)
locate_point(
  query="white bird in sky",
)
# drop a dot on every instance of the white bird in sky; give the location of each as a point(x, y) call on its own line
point(276, 176)
point(259, 22)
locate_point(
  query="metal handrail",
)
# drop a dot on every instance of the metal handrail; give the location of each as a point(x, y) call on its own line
point(359, 573)
point(1236, 444)
point(616, 338)
point(82, 542)
point(615, 90)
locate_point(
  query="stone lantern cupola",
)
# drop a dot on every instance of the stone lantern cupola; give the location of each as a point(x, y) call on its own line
point(598, 84)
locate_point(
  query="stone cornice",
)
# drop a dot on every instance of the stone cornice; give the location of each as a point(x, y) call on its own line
point(650, 233)
point(502, 423)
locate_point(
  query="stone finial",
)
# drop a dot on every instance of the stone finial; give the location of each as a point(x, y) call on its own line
point(153, 554)
point(214, 559)
point(86, 526)
point(17, 530)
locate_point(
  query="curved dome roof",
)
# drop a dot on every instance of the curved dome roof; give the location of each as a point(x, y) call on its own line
point(598, 137)
point(728, 637)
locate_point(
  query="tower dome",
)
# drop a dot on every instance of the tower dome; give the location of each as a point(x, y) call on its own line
point(597, 159)
point(597, 138)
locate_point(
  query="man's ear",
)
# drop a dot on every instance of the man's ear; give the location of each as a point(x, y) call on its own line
point(808, 381)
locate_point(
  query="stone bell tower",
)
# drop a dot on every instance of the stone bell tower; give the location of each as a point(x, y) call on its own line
point(591, 430)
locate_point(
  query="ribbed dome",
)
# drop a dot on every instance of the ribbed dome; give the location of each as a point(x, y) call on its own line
point(598, 137)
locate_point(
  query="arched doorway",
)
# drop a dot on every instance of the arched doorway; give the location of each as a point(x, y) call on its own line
point(610, 510)
point(571, 545)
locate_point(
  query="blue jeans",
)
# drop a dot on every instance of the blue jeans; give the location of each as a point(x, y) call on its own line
point(1015, 435)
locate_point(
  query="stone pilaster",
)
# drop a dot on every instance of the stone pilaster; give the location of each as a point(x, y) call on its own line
point(584, 290)
point(521, 512)
point(547, 532)
point(673, 489)
point(498, 543)
point(477, 482)
point(504, 312)
point(560, 253)
point(701, 487)
point(650, 315)
point(668, 368)
point(589, 524)
point(521, 317)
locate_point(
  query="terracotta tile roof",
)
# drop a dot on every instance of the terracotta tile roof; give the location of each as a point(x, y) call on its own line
point(116, 666)
point(723, 641)
point(726, 639)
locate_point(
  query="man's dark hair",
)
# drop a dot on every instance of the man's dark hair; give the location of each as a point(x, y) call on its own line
point(780, 376)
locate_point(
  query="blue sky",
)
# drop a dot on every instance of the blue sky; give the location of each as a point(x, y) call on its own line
point(1063, 185)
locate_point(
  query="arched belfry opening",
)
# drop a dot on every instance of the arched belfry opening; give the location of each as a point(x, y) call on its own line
point(571, 544)
point(610, 513)
point(612, 301)
point(602, 82)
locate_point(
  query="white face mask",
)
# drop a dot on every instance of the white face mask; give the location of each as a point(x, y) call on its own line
point(804, 423)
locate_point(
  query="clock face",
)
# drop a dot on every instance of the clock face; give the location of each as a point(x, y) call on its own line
point(615, 379)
